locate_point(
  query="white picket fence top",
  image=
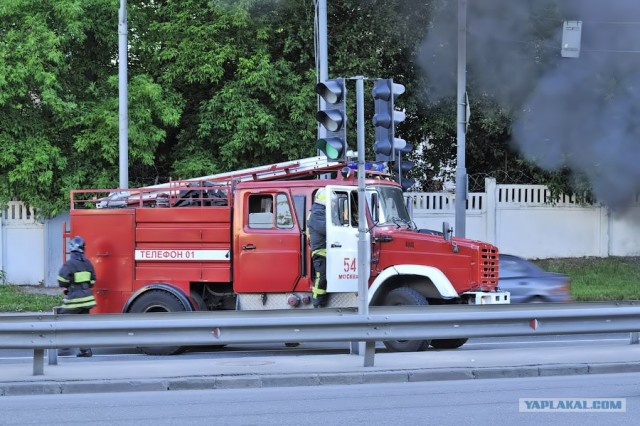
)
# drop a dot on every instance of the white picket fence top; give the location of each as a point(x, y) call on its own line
point(17, 213)
point(530, 195)
point(505, 196)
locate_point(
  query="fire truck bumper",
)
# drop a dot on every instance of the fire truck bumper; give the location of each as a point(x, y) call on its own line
point(488, 298)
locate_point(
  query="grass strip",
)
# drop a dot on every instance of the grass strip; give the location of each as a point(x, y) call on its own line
point(599, 278)
point(14, 299)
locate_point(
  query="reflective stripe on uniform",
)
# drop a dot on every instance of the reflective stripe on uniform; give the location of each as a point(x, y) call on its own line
point(317, 291)
point(80, 302)
point(82, 277)
point(320, 252)
point(80, 299)
point(64, 280)
point(79, 305)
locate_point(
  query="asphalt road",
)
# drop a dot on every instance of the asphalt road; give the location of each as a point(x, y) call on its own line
point(254, 350)
point(460, 403)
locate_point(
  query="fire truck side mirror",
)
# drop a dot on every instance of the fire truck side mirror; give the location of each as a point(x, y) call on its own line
point(375, 216)
point(447, 231)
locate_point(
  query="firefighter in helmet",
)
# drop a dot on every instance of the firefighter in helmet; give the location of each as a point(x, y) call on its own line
point(316, 225)
point(77, 278)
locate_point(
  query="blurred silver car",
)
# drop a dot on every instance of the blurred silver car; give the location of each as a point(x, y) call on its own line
point(528, 283)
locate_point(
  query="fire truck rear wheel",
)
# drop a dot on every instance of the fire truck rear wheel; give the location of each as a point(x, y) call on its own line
point(405, 296)
point(158, 301)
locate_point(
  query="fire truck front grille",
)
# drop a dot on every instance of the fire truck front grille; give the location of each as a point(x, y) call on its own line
point(488, 265)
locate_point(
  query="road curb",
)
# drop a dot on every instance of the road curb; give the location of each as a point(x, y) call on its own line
point(563, 370)
point(614, 368)
point(46, 387)
point(506, 372)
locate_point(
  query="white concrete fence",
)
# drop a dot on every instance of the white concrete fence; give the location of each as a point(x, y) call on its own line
point(22, 253)
point(520, 220)
point(516, 218)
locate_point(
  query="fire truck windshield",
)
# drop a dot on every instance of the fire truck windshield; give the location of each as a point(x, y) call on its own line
point(386, 204)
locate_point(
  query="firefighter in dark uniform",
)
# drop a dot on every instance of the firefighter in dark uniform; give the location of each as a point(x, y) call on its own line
point(77, 278)
point(317, 226)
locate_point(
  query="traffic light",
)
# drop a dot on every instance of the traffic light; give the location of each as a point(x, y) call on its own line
point(402, 167)
point(333, 118)
point(385, 118)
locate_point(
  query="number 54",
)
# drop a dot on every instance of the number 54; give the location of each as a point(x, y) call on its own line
point(349, 264)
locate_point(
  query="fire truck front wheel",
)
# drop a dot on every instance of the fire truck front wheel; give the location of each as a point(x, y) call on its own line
point(158, 301)
point(405, 296)
point(448, 343)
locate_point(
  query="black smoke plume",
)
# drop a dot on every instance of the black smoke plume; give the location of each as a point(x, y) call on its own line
point(582, 113)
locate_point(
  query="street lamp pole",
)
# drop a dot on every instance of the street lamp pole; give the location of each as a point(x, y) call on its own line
point(123, 107)
point(461, 171)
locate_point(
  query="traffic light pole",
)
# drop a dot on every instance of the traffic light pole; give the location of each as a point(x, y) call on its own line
point(322, 61)
point(363, 287)
point(366, 349)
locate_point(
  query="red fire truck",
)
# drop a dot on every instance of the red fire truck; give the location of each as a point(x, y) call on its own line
point(238, 241)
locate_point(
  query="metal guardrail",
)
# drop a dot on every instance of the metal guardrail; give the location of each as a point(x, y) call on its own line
point(53, 331)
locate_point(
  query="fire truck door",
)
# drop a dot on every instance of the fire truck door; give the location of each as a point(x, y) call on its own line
point(267, 249)
point(342, 240)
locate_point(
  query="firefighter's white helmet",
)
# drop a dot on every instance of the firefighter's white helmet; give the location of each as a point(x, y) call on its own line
point(76, 244)
point(321, 197)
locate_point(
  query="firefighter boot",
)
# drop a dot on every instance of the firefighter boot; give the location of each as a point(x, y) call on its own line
point(320, 301)
point(85, 353)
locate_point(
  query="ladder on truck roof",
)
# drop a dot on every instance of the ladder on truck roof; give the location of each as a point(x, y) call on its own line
point(284, 170)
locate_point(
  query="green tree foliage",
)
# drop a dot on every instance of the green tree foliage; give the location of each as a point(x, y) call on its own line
point(59, 101)
point(216, 85)
point(245, 102)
